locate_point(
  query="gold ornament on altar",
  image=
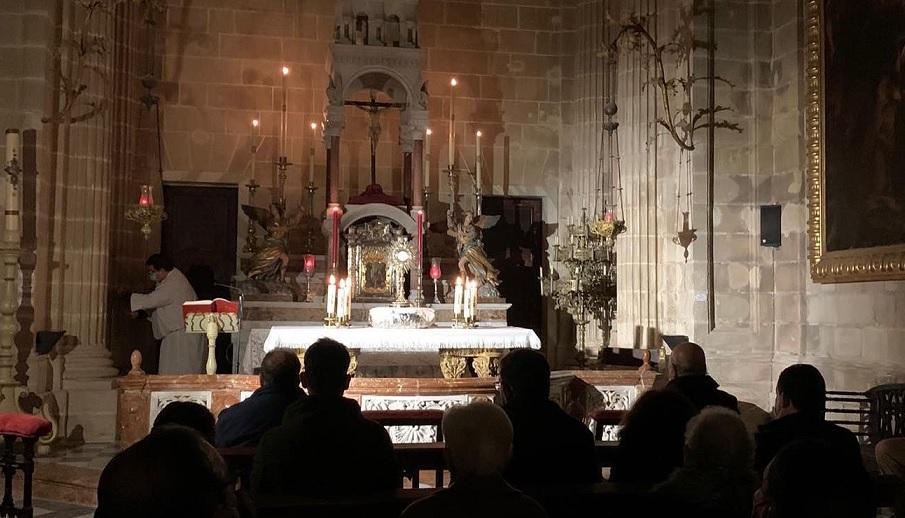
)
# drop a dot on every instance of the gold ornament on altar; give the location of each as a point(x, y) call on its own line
point(402, 259)
point(473, 262)
point(145, 212)
point(270, 261)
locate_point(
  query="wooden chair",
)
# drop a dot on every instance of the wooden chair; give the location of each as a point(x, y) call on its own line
point(887, 411)
point(25, 429)
point(850, 410)
point(602, 417)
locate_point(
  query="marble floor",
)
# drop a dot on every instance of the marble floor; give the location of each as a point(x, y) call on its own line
point(51, 509)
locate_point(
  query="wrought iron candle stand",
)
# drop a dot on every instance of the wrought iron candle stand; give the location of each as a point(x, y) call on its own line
point(588, 291)
point(251, 239)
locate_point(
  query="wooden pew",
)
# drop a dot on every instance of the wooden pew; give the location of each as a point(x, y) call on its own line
point(412, 458)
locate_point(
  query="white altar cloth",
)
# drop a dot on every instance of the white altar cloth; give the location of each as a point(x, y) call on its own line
point(425, 343)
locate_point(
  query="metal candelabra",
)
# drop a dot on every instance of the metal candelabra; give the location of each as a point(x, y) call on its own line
point(588, 291)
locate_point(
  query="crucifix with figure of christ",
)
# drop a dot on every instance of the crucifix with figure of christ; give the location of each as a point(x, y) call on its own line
point(373, 107)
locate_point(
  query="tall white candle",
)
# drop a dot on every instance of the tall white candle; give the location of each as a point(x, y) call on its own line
point(331, 296)
point(284, 113)
point(12, 191)
point(458, 297)
point(426, 168)
point(341, 300)
point(12, 145)
point(254, 147)
point(311, 153)
point(452, 122)
point(477, 160)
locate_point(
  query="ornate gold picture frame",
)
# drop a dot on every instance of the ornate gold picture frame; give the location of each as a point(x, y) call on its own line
point(855, 120)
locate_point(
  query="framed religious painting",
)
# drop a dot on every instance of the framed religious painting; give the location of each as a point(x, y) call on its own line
point(856, 139)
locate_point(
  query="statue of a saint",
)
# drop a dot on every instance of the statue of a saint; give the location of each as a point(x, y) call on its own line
point(472, 258)
point(269, 263)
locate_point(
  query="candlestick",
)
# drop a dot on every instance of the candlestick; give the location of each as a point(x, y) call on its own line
point(452, 123)
point(425, 169)
point(284, 113)
point(311, 153)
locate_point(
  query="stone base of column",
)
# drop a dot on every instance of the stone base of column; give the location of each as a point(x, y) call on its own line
point(88, 375)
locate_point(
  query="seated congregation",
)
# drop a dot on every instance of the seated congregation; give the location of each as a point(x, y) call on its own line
point(682, 449)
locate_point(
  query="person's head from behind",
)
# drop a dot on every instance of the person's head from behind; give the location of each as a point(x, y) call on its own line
point(280, 369)
point(800, 389)
point(478, 439)
point(687, 359)
point(326, 368)
point(188, 414)
point(525, 376)
point(810, 478)
point(171, 472)
point(717, 438)
point(158, 267)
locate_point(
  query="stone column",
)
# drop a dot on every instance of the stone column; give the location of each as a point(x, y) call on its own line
point(418, 174)
point(80, 259)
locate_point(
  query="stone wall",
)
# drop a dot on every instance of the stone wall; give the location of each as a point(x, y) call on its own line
point(220, 70)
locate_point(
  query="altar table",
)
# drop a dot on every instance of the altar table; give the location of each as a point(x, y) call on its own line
point(452, 347)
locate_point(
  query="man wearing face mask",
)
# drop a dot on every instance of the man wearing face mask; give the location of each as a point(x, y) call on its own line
point(180, 352)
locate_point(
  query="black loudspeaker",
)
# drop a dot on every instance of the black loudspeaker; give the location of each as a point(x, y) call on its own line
point(771, 225)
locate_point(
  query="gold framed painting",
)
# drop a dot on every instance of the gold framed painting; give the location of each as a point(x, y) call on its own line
point(856, 140)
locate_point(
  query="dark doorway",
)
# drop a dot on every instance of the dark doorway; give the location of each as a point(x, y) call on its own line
point(199, 234)
point(200, 228)
point(514, 245)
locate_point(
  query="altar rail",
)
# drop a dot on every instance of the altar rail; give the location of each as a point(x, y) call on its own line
point(140, 397)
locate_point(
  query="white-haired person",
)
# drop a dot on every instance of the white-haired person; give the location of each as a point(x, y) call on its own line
point(717, 477)
point(478, 446)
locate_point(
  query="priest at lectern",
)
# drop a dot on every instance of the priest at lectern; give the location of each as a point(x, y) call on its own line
point(180, 352)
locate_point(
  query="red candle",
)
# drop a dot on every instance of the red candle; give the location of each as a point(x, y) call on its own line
point(435, 272)
point(146, 199)
point(309, 263)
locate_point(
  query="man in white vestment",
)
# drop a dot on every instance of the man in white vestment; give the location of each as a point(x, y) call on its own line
point(180, 352)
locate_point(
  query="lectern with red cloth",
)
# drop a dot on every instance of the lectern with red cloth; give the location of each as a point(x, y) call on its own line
point(211, 317)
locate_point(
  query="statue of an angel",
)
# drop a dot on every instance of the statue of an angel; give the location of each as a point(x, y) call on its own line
point(270, 262)
point(472, 257)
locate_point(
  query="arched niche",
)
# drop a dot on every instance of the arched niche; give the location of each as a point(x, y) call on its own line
point(379, 79)
point(356, 213)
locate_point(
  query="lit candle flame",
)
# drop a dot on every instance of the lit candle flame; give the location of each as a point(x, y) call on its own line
point(255, 123)
point(478, 133)
point(314, 126)
point(429, 132)
point(285, 71)
point(453, 82)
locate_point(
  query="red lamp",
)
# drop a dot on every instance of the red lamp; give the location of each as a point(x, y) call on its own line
point(436, 273)
point(309, 264)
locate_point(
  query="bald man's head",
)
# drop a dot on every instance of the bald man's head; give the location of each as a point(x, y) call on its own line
point(687, 359)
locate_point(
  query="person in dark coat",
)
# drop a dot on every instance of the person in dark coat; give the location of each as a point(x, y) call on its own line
point(537, 459)
point(800, 408)
point(325, 447)
point(717, 479)
point(478, 442)
point(688, 376)
point(652, 438)
point(244, 423)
